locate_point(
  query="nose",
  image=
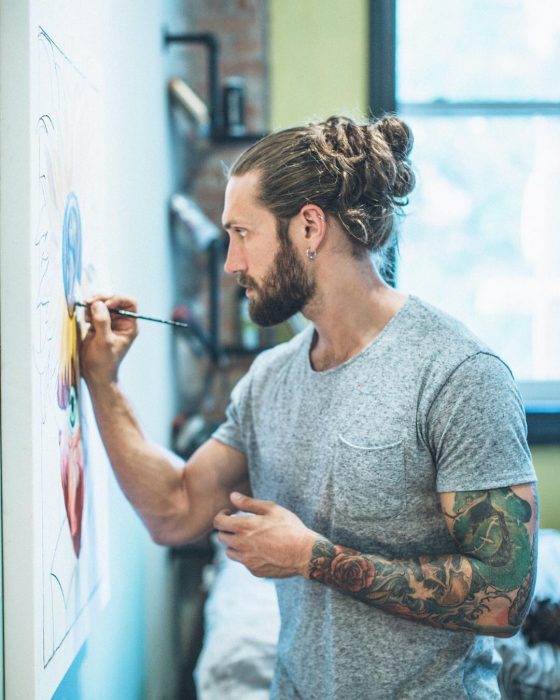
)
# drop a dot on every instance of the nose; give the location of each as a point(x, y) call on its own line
point(235, 259)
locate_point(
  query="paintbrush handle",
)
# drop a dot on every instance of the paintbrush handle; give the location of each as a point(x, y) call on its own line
point(132, 314)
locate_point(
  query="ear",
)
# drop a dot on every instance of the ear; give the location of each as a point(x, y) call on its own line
point(315, 225)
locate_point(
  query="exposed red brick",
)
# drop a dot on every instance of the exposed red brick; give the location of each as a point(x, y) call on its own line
point(241, 27)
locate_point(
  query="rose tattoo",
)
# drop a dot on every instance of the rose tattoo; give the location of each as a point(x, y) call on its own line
point(341, 566)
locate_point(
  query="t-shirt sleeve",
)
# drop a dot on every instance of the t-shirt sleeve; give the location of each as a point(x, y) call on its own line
point(476, 428)
point(233, 430)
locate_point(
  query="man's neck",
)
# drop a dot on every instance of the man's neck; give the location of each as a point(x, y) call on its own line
point(349, 310)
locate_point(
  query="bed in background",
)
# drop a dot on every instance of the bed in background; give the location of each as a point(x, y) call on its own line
point(242, 622)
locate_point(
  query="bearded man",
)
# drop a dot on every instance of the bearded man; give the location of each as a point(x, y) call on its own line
point(376, 465)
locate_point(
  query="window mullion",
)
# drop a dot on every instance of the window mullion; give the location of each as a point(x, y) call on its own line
point(444, 108)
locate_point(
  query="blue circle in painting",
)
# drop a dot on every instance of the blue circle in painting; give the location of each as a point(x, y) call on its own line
point(71, 249)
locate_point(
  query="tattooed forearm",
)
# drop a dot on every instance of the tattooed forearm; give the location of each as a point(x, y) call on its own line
point(445, 591)
point(486, 587)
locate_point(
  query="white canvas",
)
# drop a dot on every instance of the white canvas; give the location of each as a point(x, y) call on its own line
point(68, 266)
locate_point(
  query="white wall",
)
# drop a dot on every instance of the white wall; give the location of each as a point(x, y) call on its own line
point(15, 346)
point(127, 653)
point(138, 193)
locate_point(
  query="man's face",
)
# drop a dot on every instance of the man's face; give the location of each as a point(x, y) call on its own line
point(267, 264)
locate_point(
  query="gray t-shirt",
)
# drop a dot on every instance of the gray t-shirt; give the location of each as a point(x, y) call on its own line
point(359, 452)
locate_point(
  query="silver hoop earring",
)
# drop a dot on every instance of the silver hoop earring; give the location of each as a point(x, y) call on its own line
point(311, 254)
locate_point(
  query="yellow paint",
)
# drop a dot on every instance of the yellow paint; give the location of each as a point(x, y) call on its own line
point(318, 59)
point(68, 372)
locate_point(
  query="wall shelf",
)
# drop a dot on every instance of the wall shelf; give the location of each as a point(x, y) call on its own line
point(218, 128)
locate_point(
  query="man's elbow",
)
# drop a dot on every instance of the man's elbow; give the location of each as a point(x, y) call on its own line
point(516, 614)
point(508, 631)
point(496, 630)
point(163, 538)
point(172, 534)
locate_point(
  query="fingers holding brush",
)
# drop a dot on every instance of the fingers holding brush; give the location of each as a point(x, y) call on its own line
point(108, 339)
point(119, 324)
point(114, 325)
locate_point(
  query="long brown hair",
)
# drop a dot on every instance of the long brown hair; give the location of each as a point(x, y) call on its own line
point(358, 173)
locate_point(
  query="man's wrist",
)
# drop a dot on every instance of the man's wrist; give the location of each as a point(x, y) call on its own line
point(103, 387)
point(322, 554)
point(308, 548)
point(341, 567)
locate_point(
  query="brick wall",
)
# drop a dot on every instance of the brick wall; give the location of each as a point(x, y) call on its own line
point(241, 28)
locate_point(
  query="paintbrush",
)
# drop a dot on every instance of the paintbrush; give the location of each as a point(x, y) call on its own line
point(132, 314)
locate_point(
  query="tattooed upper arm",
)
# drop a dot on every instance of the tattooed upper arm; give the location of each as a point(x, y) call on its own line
point(496, 529)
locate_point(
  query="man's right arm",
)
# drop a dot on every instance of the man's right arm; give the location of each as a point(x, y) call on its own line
point(177, 502)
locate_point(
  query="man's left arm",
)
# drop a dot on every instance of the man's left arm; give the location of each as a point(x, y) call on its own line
point(485, 587)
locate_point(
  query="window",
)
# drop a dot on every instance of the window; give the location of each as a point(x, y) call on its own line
point(478, 83)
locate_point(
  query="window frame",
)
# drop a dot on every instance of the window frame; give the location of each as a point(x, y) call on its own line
point(542, 411)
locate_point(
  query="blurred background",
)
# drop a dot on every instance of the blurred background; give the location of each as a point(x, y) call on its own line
point(190, 84)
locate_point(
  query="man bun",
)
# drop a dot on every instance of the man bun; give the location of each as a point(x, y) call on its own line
point(358, 173)
point(370, 172)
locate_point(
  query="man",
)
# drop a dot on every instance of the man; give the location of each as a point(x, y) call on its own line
point(377, 462)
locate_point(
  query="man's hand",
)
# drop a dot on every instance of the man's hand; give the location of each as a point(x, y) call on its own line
point(272, 543)
point(108, 339)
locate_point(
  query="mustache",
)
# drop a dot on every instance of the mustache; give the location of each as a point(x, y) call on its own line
point(246, 281)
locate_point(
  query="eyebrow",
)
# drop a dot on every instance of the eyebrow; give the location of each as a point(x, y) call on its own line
point(232, 224)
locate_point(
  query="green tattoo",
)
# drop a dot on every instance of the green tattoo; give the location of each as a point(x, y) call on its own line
point(491, 577)
point(490, 526)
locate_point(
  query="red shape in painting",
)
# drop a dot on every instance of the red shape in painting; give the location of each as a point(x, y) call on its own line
point(72, 475)
point(70, 435)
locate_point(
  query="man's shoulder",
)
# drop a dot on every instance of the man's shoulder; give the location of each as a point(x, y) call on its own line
point(438, 340)
point(435, 327)
point(445, 345)
point(271, 361)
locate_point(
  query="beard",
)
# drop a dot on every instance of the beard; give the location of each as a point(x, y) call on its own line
point(284, 291)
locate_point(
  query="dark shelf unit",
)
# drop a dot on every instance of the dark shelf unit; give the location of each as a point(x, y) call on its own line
point(210, 341)
point(210, 42)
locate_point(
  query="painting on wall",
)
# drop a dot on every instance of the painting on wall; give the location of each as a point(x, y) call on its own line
point(68, 267)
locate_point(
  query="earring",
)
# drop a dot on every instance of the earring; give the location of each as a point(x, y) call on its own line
point(311, 254)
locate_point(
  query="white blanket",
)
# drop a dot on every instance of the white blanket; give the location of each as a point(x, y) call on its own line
point(241, 632)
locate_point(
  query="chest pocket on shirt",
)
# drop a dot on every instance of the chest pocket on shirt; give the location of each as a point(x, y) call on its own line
point(370, 480)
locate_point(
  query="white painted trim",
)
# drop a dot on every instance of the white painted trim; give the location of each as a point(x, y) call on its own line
point(19, 484)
